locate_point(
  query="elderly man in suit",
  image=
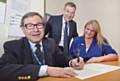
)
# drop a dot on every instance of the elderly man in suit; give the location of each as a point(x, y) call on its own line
point(33, 56)
point(63, 28)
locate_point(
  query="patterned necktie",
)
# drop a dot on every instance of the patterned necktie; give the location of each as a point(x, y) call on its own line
point(66, 39)
point(39, 54)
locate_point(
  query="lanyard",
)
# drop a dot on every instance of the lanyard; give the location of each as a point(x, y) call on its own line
point(36, 58)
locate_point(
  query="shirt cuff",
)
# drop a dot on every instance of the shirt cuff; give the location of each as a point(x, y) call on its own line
point(70, 63)
point(43, 70)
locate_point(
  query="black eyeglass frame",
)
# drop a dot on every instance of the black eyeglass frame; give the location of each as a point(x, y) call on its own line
point(31, 26)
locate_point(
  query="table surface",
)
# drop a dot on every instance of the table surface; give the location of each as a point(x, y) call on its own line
point(110, 76)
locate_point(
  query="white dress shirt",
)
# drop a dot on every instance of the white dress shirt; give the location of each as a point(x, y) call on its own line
point(62, 32)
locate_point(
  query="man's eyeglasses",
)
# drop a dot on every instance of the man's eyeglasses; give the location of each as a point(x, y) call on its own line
point(31, 26)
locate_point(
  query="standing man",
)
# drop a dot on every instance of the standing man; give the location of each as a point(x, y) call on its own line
point(33, 56)
point(62, 28)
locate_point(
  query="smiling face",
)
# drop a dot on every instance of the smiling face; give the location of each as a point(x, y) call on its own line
point(34, 32)
point(69, 13)
point(92, 30)
point(89, 31)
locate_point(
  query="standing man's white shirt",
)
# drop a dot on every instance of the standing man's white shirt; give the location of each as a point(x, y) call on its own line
point(62, 32)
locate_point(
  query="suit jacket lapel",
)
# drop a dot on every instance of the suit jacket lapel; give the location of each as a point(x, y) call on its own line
point(60, 26)
point(70, 28)
point(47, 51)
point(29, 58)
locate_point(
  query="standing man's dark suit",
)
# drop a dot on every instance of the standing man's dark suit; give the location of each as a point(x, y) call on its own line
point(18, 54)
point(62, 28)
point(54, 28)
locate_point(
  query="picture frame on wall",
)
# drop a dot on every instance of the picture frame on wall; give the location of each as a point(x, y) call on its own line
point(2, 11)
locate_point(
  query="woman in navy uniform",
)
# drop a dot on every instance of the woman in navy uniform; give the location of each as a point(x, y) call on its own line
point(92, 45)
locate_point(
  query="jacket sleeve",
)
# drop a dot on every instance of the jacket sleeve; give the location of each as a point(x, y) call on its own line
point(48, 26)
point(61, 60)
point(12, 70)
point(75, 30)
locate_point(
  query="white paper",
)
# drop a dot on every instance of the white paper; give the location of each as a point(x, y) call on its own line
point(94, 69)
point(17, 8)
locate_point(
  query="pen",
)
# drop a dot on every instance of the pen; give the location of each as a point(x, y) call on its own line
point(78, 55)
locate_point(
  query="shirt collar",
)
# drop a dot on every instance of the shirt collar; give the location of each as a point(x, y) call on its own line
point(63, 20)
point(32, 45)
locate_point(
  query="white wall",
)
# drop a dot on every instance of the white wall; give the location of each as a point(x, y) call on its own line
point(36, 5)
point(107, 12)
point(3, 36)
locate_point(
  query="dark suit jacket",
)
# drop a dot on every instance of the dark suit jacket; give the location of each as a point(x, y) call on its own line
point(54, 28)
point(18, 61)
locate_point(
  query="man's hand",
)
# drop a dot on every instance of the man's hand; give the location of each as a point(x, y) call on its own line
point(60, 72)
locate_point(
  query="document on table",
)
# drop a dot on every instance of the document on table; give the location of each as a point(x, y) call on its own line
point(94, 69)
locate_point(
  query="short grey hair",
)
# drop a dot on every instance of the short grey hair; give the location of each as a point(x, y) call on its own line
point(70, 4)
point(29, 14)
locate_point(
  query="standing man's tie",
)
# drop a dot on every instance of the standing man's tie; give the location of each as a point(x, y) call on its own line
point(39, 54)
point(66, 48)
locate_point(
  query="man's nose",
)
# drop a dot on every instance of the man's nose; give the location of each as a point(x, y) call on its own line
point(36, 28)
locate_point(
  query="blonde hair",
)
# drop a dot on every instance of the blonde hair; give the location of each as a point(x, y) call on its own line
point(98, 35)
